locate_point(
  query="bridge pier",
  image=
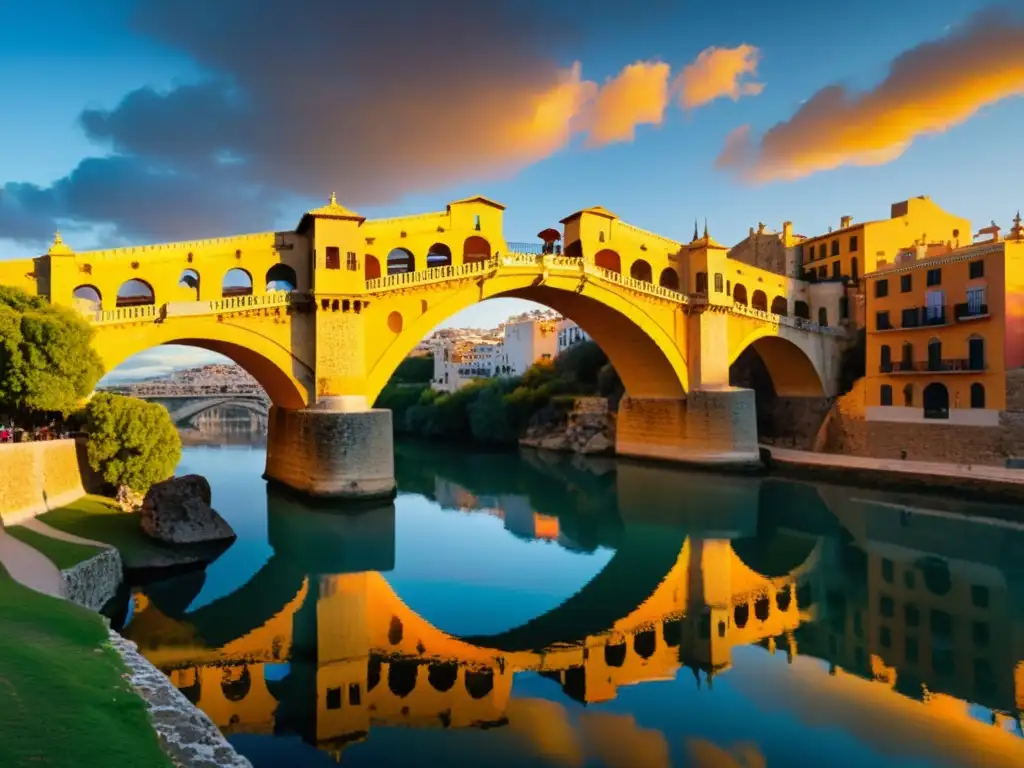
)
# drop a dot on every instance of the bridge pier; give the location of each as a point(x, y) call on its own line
point(715, 428)
point(339, 450)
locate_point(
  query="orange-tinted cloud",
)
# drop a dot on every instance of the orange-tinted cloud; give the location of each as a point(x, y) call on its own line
point(719, 73)
point(638, 95)
point(929, 89)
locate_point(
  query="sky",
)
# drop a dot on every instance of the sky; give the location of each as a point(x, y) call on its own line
point(134, 121)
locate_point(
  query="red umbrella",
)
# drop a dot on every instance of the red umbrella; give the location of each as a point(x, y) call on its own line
point(550, 235)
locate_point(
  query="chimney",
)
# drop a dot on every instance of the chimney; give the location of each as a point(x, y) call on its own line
point(787, 231)
point(845, 222)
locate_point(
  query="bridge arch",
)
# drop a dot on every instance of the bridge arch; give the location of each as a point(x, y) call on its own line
point(759, 301)
point(135, 293)
point(282, 375)
point(236, 282)
point(792, 370)
point(188, 285)
point(401, 260)
point(669, 279)
point(475, 249)
point(371, 267)
point(647, 358)
point(281, 277)
point(641, 270)
point(608, 259)
point(88, 297)
point(439, 255)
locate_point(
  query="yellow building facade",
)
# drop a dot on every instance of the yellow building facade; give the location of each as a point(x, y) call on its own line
point(945, 327)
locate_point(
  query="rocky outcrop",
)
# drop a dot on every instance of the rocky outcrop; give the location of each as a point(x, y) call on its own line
point(93, 582)
point(178, 511)
point(187, 735)
point(588, 429)
point(127, 499)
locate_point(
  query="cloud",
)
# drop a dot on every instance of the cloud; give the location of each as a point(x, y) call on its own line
point(719, 73)
point(637, 96)
point(374, 101)
point(929, 89)
point(161, 361)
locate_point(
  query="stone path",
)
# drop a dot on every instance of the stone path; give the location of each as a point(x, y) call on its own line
point(37, 525)
point(30, 567)
point(934, 468)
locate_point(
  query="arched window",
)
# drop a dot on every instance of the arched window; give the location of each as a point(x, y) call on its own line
point(934, 355)
point(475, 249)
point(188, 285)
point(822, 316)
point(936, 401)
point(702, 282)
point(371, 267)
point(281, 277)
point(976, 353)
point(87, 298)
point(759, 301)
point(779, 306)
point(439, 255)
point(885, 394)
point(977, 395)
point(237, 282)
point(800, 309)
point(608, 259)
point(739, 294)
point(135, 293)
point(908, 396)
point(400, 261)
point(641, 270)
point(669, 279)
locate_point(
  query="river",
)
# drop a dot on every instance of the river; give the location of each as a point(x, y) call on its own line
point(552, 611)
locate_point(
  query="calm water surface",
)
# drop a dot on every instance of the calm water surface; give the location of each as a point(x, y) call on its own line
point(529, 610)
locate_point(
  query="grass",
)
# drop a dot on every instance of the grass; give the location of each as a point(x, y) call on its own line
point(63, 554)
point(63, 697)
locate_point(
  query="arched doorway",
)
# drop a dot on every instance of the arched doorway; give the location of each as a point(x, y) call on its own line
point(281, 277)
point(936, 401)
point(237, 282)
point(188, 285)
point(401, 261)
point(475, 249)
point(801, 310)
point(641, 270)
point(739, 294)
point(669, 279)
point(759, 301)
point(135, 293)
point(779, 306)
point(371, 267)
point(87, 298)
point(608, 259)
point(439, 255)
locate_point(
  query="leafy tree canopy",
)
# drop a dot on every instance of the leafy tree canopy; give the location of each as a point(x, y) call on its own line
point(46, 360)
point(131, 442)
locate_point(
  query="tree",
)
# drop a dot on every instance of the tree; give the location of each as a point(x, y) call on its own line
point(46, 360)
point(131, 443)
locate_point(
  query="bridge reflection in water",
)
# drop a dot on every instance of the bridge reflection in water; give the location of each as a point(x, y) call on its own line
point(914, 612)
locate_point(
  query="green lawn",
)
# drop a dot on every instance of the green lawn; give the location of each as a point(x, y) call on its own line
point(63, 554)
point(62, 696)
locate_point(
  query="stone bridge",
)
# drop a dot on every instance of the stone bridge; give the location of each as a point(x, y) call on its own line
point(185, 408)
point(322, 315)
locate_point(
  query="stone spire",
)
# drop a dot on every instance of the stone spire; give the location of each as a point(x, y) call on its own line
point(59, 247)
point(695, 236)
point(705, 228)
point(1017, 233)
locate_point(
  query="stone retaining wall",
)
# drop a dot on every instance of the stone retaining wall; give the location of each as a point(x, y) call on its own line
point(93, 582)
point(37, 477)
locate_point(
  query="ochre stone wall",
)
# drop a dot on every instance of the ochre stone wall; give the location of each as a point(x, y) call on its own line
point(332, 454)
point(846, 432)
point(707, 427)
point(36, 477)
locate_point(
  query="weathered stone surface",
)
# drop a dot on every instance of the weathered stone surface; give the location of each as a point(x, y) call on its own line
point(93, 582)
point(187, 735)
point(588, 424)
point(127, 499)
point(178, 511)
point(555, 443)
point(598, 444)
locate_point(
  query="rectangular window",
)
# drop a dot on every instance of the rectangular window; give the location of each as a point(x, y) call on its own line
point(882, 321)
point(977, 269)
point(822, 270)
point(934, 276)
point(333, 257)
point(906, 283)
point(886, 394)
point(719, 282)
point(334, 698)
point(837, 269)
point(935, 307)
point(844, 308)
point(835, 247)
point(351, 261)
point(821, 251)
point(853, 243)
point(881, 289)
point(976, 300)
point(910, 318)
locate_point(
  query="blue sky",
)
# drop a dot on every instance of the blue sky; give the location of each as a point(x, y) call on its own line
point(426, 123)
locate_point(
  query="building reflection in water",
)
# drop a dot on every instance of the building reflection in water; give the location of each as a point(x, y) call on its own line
point(916, 612)
point(225, 425)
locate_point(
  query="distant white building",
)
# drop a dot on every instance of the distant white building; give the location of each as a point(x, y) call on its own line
point(457, 362)
point(527, 342)
point(569, 334)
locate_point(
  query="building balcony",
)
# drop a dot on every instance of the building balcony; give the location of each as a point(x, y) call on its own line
point(924, 317)
point(966, 311)
point(949, 365)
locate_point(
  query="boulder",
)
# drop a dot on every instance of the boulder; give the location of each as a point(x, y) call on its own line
point(178, 511)
point(127, 499)
point(554, 443)
point(599, 443)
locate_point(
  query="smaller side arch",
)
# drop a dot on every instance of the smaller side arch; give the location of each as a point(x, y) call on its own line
point(801, 310)
point(739, 294)
point(400, 261)
point(669, 279)
point(608, 259)
point(237, 282)
point(87, 298)
point(135, 293)
point(780, 306)
point(371, 267)
point(641, 270)
point(759, 301)
point(475, 249)
point(281, 277)
point(439, 255)
point(188, 285)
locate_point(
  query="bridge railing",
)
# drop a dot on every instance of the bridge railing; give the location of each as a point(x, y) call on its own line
point(126, 314)
point(536, 249)
point(257, 301)
point(152, 312)
point(792, 322)
point(640, 286)
point(431, 275)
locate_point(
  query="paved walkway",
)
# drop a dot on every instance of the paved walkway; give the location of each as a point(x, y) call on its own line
point(895, 466)
point(29, 567)
point(37, 525)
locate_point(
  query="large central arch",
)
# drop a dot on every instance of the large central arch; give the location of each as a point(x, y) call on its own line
point(648, 358)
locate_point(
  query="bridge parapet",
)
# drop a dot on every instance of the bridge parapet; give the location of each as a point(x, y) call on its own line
point(792, 322)
point(153, 312)
point(428, 276)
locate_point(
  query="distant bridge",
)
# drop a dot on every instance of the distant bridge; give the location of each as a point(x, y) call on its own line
point(185, 407)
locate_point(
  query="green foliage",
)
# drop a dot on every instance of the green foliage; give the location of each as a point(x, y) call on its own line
point(414, 370)
point(46, 360)
point(131, 442)
point(497, 411)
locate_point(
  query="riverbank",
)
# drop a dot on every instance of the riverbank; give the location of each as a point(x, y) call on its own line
point(963, 481)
